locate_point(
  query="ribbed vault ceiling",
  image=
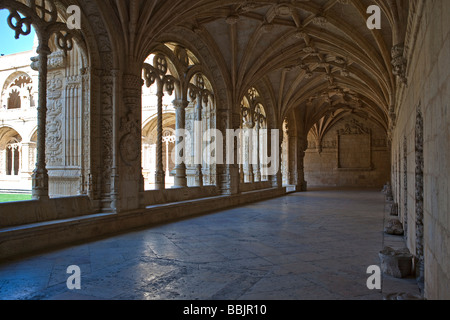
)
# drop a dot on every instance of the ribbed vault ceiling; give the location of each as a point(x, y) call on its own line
point(316, 56)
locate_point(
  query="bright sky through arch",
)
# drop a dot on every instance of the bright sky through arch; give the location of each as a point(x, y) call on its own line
point(8, 44)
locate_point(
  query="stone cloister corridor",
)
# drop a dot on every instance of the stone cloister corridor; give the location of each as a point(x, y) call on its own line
point(304, 246)
point(225, 149)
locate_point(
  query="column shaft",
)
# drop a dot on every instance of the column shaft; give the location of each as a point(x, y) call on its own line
point(180, 166)
point(40, 175)
point(301, 148)
point(198, 142)
point(160, 180)
point(258, 155)
point(248, 141)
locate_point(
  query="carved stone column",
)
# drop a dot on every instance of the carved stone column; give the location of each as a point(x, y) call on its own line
point(291, 146)
point(198, 142)
point(223, 179)
point(420, 228)
point(130, 142)
point(257, 153)
point(405, 187)
point(229, 182)
point(301, 185)
point(233, 168)
point(278, 178)
point(241, 150)
point(40, 175)
point(86, 120)
point(111, 83)
point(248, 148)
point(160, 176)
point(180, 166)
point(241, 159)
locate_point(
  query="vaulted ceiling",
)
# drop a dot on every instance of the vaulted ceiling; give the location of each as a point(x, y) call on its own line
point(318, 56)
point(309, 54)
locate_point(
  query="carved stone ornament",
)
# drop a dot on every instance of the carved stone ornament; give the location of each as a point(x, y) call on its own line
point(354, 127)
point(54, 136)
point(396, 263)
point(128, 148)
point(130, 144)
point(56, 60)
point(399, 62)
point(419, 193)
point(394, 227)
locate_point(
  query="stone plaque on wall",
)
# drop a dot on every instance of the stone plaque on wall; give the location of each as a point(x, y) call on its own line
point(354, 152)
point(355, 147)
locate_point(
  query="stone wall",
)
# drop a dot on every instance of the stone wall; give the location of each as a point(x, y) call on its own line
point(353, 153)
point(21, 213)
point(427, 95)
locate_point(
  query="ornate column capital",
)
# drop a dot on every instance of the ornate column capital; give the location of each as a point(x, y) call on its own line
point(248, 125)
point(180, 104)
point(399, 62)
point(132, 85)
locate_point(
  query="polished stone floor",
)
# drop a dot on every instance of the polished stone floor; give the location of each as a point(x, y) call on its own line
point(314, 246)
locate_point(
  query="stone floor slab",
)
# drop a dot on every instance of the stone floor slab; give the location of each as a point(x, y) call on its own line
point(304, 246)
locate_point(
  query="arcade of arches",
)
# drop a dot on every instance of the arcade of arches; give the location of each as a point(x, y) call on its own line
point(334, 103)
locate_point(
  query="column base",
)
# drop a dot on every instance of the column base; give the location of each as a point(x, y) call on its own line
point(40, 185)
point(199, 177)
point(303, 187)
point(180, 180)
point(160, 180)
point(258, 176)
point(277, 180)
